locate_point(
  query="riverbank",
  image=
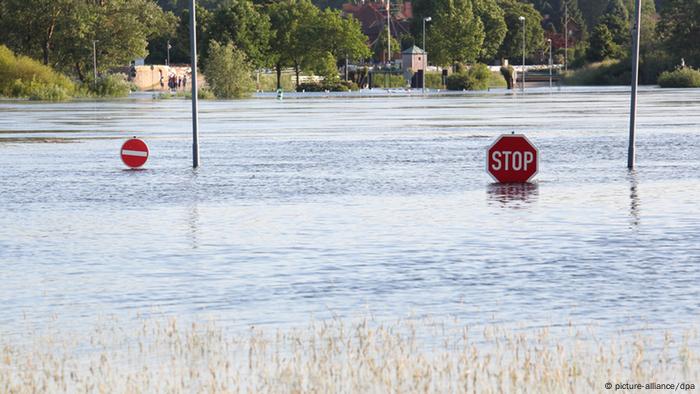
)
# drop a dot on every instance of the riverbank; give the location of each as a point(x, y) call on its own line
point(336, 356)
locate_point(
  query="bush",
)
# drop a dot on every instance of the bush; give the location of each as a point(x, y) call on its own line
point(339, 86)
point(508, 73)
point(609, 72)
point(382, 80)
point(477, 77)
point(685, 77)
point(23, 77)
point(228, 72)
point(112, 85)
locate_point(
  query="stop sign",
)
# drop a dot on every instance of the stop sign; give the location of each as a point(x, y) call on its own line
point(512, 158)
point(134, 153)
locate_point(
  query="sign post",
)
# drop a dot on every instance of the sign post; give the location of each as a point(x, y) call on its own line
point(195, 108)
point(134, 153)
point(512, 158)
point(633, 96)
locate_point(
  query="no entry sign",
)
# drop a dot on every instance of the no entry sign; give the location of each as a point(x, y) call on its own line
point(134, 153)
point(512, 158)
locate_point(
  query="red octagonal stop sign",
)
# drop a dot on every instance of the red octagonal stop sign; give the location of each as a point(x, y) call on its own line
point(512, 158)
point(134, 153)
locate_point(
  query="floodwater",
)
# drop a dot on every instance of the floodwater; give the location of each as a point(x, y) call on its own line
point(319, 207)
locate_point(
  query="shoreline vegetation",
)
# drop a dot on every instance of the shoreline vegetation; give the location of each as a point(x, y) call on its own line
point(340, 356)
point(25, 78)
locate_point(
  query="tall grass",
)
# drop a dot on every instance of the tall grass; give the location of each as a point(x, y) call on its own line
point(338, 357)
point(23, 77)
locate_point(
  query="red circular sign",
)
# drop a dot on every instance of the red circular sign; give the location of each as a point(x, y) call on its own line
point(512, 158)
point(134, 153)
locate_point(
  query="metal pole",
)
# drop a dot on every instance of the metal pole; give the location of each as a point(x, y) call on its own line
point(635, 77)
point(388, 31)
point(550, 62)
point(94, 60)
point(346, 68)
point(566, 36)
point(522, 87)
point(168, 53)
point(425, 53)
point(195, 116)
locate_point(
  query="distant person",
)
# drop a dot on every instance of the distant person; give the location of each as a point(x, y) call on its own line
point(184, 82)
point(179, 82)
point(161, 79)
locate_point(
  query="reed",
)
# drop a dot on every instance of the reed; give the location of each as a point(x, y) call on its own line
point(338, 357)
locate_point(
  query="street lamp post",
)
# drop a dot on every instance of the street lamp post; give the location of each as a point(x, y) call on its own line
point(425, 53)
point(549, 40)
point(168, 64)
point(566, 36)
point(94, 59)
point(522, 86)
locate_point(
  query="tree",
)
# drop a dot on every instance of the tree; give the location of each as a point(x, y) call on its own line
point(679, 29)
point(292, 34)
point(241, 23)
point(493, 18)
point(602, 45)
point(342, 37)
point(30, 27)
point(616, 19)
point(512, 46)
point(228, 71)
point(380, 46)
point(456, 34)
point(61, 32)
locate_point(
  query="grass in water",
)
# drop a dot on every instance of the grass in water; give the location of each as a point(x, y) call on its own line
point(338, 357)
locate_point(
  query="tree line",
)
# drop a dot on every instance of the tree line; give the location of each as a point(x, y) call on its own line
point(299, 34)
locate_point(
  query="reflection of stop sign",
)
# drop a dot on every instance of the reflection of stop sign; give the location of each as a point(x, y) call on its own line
point(134, 153)
point(512, 158)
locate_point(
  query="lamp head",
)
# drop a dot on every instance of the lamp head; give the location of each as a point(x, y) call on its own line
point(522, 18)
point(428, 19)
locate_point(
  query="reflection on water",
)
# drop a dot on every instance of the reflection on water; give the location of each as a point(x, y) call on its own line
point(513, 195)
point(634, 197)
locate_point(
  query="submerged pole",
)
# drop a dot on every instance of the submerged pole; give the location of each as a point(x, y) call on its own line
point(635, 78)
point(195, 108)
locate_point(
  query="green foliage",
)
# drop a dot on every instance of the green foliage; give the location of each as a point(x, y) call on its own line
point(433, 80)
point(388, 80)
point(616, 19)
point(679, 29)
point(61, 32)
point(246, 26)
point(508, 73)
point(111, 85)
point(380, 46)
point(685, 77)
point(342, 37)
point(512, 47)
point(23, 77)
point(228, 72)
point(268, 82)
point(330, 86)
point(476, 78)
point(293, 33)
point(609, 72)
point(326, 68)
point(456, 34)
point(495, 29)
point(602, 44)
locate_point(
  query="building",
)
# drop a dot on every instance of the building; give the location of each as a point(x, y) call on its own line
point(373, 18)
point(413, 59)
